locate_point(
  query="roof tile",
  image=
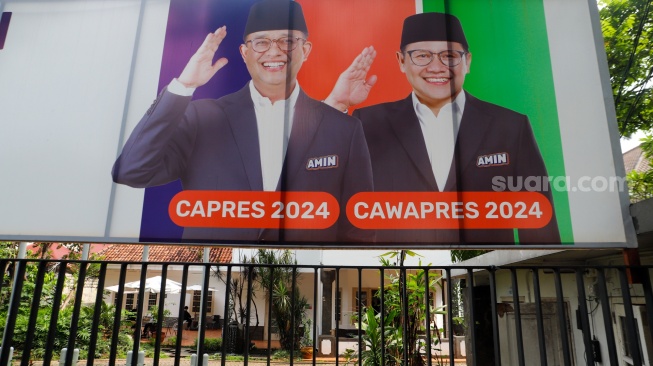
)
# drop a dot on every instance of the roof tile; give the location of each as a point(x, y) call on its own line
point(165, 253)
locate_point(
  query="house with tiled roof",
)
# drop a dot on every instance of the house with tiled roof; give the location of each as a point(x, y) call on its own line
point(635, 160)
point(342, 307)
point(173, 256)
point(165, 253)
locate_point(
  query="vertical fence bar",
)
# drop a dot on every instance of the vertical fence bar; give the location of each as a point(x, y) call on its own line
point(404, 314)
point(269, 318)
point(314, 330)
point(382, 325)
point(248, 312)
point(202, 318)
point(644, 275)
point(14, 304)
point(293, 307)
point(3, 270)
point(159, 315)
point(97, 310)
point(607, 318)
point(450, 315)
point(54, 315)
point(539, 317)
point(33, 313)
point(518, 329)
point(472, 321)
point(584, 321)
point(79, 291)
point(360, 314)
point(139, 310)
point(225, 327)
point(562, 318)
point(630, 318)
point(339, 315)
point(116, 317)
point(182, 312)
point(495, 320)
point(427, 288)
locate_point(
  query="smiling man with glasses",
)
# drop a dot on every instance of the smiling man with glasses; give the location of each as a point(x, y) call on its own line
point(441, 138)
point(268, 136)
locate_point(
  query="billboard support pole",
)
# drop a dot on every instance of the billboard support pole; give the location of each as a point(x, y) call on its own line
point(631, 258)
point(22, 250)
point(86, 249)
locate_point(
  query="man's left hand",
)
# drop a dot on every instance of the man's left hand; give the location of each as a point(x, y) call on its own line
point(352, 87)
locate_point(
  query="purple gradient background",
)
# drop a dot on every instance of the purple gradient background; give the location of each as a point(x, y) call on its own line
point(189, 21)
point(5, 18)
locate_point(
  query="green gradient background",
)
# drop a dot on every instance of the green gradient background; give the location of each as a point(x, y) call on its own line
point(511, 67)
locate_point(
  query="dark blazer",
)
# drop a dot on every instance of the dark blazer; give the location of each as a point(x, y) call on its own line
point(400, 163)
point(212, 144)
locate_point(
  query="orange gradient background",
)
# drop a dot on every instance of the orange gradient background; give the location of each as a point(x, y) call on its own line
point(355, 25)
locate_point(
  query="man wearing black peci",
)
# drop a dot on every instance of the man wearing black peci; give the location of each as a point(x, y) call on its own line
point(440, 137)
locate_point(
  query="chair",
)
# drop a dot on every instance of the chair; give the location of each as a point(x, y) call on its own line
point(216, 324)
point(208, 320)
point(169, 324)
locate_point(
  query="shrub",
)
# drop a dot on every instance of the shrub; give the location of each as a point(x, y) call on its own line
point(210, 344)
point(170, 341)
point(282, 354)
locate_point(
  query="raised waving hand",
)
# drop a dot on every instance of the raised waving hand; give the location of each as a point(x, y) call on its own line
point(353, 86)
point(201, 68)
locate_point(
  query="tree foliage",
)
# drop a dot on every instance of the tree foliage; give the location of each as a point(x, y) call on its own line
point(404, 317)
point(44, 313)
point(288, 305)
point(271, 271)
point(627, 27)
point(640, 184)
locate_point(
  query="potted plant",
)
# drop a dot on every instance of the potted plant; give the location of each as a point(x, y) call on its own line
point(306, 341)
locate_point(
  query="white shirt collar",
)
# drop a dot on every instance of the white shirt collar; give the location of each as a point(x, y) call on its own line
point(261, 101)
point(459, 102)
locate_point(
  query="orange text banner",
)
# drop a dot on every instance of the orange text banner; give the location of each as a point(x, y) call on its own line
point(449, 210)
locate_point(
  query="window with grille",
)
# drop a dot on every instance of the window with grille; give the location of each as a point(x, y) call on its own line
point(197, 301)
point(151, 301)
point(368, 297)
point(129, 302)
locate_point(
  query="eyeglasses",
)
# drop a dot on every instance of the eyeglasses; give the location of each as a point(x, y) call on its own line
point(449, 58)
point(285, 44)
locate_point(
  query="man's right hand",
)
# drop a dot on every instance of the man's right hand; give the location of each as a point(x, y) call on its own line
point(200, 68)
point(352, 86)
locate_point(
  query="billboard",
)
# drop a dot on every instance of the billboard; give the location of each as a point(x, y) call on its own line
point(91, 157)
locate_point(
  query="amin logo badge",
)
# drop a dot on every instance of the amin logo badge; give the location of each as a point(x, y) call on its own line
point(497, 159)
point(323, 162)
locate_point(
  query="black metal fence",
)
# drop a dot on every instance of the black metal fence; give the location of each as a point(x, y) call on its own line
point(411, 315)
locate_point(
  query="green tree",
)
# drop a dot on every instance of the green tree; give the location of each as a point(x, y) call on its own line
point(405, 308)
point(44, 313)
point(237, 297)
point(627, 27)
point(288, 305)
point(640, 184)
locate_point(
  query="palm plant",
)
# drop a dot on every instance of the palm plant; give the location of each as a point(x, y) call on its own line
point(404, 317)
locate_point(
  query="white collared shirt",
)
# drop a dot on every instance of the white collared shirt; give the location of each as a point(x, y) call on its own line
point(274, 123)
point(440, 133)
